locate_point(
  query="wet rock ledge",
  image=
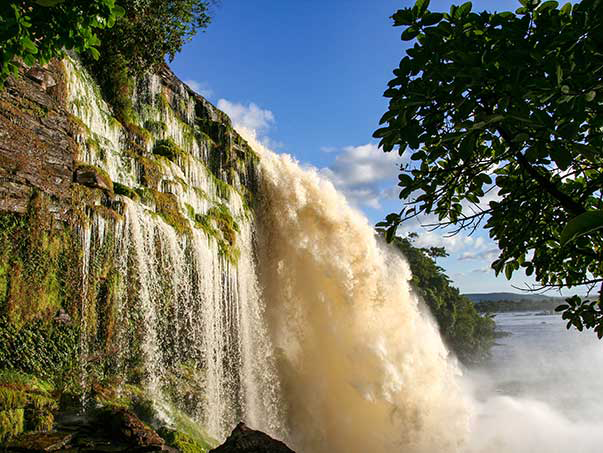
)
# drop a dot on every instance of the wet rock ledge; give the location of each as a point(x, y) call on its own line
point(120, 430)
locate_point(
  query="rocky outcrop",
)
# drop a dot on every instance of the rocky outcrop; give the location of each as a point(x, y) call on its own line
point(107, 430)
point(37, 140)
point(246, 440)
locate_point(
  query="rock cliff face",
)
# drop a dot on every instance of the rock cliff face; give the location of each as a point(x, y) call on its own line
point(126, 257)
point(37, 141)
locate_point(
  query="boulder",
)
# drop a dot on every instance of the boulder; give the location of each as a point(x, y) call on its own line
point(94, 177)
point(124, 424)
point(246, 440)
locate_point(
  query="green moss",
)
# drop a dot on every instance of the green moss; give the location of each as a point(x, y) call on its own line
point(156, 127)
point(186, 434)
point(219, 224)
point(121, 189)
point(34, 250)
point(12, 399)
point(201, 193)
point(185, 443)
point(167, 207)
point(151, 172)
point(223, 189)
point(4, 279)
point(145, 194)
point(168, 149)
point(26, 393)
point(225, 222)
point(19, 380)
point(11, 424)
point(38, 420)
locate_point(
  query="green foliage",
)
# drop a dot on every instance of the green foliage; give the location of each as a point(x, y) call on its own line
point(36, 31)
point(48, 351)
point(26, 404)
point(184, 442)
point(502, 306)
point(168, 148)
point(468, 334)
point(152, 30)
point(141, 39)
point(509, 104)
point(37, 276)
point(11, 423)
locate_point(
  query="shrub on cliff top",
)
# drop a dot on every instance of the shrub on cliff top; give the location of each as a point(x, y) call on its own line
point(37, 31)
point(152, 30)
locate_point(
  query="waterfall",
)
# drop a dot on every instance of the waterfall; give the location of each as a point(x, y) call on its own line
point(361, 363)
point(302, 324)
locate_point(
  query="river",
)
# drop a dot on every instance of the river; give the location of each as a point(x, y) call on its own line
point(543, 389)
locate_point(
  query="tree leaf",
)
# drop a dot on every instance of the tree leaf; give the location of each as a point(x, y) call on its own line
point(410, 33)
point(49, 3)
point(585, 223)
point(29, 45)
point(422, 6)
point(431, 19)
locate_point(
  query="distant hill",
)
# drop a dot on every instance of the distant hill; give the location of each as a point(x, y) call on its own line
point(506, 302)
point(479, 297)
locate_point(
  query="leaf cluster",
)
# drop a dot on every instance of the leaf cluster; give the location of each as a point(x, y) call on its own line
point(152, 30)
point(502, 116)
point(35, 31)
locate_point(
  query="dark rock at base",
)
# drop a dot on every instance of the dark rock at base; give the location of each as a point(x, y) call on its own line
point(125, 424)
point(108, 430)
point(246, 440)
point(40, 442)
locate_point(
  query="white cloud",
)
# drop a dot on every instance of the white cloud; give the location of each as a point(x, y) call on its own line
point(249, 116)
point(488, 255)
point(328, 149)
point(364, 173)
point(200, 88)
point(452, 244)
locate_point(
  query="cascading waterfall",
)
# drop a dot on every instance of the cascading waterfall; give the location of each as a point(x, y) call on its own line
point(362, 366)
point(311, 334)
point(180, 303)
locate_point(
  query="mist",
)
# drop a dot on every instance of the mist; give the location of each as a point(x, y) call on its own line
point(541, 392)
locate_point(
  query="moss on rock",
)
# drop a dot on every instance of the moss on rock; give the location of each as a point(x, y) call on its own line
point(26, 404)
point(167, 207)
point(37, 260)
point(169, 149)
point(121, 189)
point(11, 423)
point(184, 442)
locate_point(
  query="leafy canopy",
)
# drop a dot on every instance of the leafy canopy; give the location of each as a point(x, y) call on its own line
point(503, 114)
point(152, 30)
point(36, 31)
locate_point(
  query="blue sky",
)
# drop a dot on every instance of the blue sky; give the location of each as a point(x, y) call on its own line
point(309, 76)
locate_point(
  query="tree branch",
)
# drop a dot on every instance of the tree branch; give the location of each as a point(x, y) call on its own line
point(565, 200)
